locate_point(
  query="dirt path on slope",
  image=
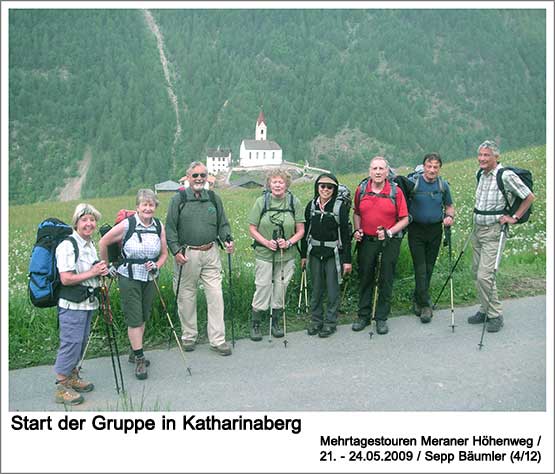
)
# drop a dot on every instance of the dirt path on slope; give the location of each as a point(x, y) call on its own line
point(72, 189)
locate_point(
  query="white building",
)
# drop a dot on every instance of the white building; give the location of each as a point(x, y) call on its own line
point(218, 160)
point(260, 151)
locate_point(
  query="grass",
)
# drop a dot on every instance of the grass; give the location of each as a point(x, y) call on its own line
point(33, 332)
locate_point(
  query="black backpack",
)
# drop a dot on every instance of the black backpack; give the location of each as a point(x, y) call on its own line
point(44, 279)
point(343, 198)
point(525, 176)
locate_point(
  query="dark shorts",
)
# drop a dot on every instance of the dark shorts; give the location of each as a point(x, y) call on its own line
point(136, 300)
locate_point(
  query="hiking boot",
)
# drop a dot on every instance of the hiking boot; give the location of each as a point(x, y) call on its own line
point(78, 384)
point(381, 326)
point(256, 334)
point(188, 346)
point(132, 359)
point(314, 328)
point(222, 349)
point(276, 329)
point(426, 314)
point(66, 395)
point(326, 331)
point(416, 308)
point(140, 368)
point(478, 318)
point(360, 324)
point(494, 324)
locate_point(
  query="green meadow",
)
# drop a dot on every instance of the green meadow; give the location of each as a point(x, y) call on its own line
point(33, 333)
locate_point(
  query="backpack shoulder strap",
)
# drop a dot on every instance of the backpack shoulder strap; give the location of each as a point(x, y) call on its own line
point(416, 181)
point(291, 202)
point(312, 208)
point(362, 186)
point(501, 184)
point(212, 197)
point(158, 226)
point(393, 193)
point(499, 178)
point(132, 222)
point(182, 201)
point(266, 206)
point(441, 184)
point(75, 247)
point(479, 175)
point(336, 209)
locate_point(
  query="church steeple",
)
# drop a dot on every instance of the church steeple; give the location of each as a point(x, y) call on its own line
point(260, 133)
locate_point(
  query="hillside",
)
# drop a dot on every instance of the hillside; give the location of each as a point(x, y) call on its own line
point(34, 334)
point(111, 100)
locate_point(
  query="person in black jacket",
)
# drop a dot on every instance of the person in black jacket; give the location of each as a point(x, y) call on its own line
point(327, 247)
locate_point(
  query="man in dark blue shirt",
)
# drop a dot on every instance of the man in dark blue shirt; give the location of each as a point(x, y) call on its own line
point(431, 207)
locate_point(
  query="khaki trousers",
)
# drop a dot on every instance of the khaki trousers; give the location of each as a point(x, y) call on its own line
point(485, 242)
point(263, 294)
point(206, 267)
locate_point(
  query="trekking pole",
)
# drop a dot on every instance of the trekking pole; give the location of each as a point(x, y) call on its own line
point(182, 251)
point(80, 365)
point(172, 328)
point(228, 239)
point(377, 271)
point(283, 300)
point(274, 237)
point(502, 237)
point(306, 303)
point(452, 269)
point(300, 292)
point(447, 241)
point(111, 335)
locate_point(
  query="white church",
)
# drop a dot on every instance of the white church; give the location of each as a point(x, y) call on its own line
point(260, 151)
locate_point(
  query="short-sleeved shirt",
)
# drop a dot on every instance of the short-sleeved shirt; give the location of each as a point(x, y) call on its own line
point(147, 247)
point(376, 211)
point(490, 198)
point(65, 258)
point(271, 220)
point(428, 202)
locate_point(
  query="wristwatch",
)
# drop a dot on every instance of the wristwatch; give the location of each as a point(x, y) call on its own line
point(289, 243)
point(389, 233)
point(516, 218)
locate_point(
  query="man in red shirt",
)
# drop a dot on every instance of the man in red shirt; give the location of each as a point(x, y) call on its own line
point(380, 215)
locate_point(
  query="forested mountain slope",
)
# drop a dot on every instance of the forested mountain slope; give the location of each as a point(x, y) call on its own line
point(336, 86)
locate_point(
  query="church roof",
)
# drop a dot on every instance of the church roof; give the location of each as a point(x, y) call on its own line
point(218, 152)
point(261, 145)
point(260, 118)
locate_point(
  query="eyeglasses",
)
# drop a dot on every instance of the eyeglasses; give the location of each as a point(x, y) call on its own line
point(326, 186)
point(196, 175)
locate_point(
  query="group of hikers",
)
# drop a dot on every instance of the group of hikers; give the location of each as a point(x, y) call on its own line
point(196, 226)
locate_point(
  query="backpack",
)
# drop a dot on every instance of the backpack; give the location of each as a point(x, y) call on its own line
point(44, 279)
point(183, 202)
point(343, 198)
point(363, 185)
point(525, 176)
point(414, 178)
point(116, 254)
point(395, 182)
point(267, 199)
point(266, 208)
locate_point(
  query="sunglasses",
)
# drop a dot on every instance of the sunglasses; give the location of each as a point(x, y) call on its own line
point(196, 175)
point(326, 186)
